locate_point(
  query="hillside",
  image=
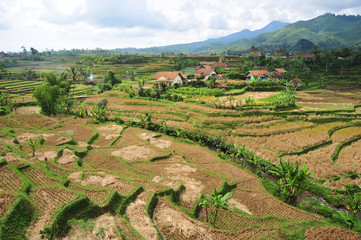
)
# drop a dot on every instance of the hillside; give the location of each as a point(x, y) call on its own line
point(328, 31)
point(210, 44)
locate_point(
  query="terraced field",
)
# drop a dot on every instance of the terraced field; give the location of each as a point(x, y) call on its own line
point(116, 181)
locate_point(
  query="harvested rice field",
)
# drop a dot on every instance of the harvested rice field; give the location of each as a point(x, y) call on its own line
point(118, 180)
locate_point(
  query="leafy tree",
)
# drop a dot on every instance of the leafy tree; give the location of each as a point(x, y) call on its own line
point(292, 179)
point(6, 105)
point(47, 97)
point(75, 75)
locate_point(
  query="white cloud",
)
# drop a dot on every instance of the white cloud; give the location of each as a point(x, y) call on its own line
point(141, 23)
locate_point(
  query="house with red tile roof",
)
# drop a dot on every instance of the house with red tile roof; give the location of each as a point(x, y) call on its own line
point(262, 74)
point(206, 70)
point(221, 64)
point(169, 78)
point(280, 70)
point(255, 53)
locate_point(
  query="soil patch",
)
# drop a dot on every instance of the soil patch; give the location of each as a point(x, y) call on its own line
point(138, 219)
point(239, 205)
point(161, 180)
point(134, 152)
point(45, 156)
point(67, 157)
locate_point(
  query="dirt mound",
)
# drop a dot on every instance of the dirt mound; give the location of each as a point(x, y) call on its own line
point(166, 182)
point(45, 156)
point(110, 131)
point(75, 176)
point(133, 153)
point(67, 157)
point(193, 187)
point(161, 143)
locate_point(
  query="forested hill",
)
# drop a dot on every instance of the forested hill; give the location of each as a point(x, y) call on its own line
point(327, 31)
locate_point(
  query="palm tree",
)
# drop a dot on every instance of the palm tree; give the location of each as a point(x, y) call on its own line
point(131, 74)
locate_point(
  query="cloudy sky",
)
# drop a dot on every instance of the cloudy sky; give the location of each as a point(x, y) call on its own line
point(59, 24)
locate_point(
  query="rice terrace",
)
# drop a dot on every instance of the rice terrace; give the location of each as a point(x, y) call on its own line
point(249, 142)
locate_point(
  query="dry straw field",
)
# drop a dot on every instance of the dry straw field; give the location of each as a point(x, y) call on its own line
point(128, 179)
point(110, 181)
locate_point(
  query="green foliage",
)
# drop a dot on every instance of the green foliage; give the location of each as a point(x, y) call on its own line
point(93, 138)
point(47, 98)
point(181, 61)
point(235, 75)
point(292, 179)
point(98, 111)
point(6, 105)
point(60, 223)
point(32, 144)
point(219, 201)
point(13, 223)
point(108, 82)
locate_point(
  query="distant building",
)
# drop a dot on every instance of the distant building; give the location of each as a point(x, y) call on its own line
point(206, 70)
point(262, 74)
point(169, 78)
point(255, 53)
point(221, 64)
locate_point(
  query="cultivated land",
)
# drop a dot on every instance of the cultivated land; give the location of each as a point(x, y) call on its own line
point(142, 178)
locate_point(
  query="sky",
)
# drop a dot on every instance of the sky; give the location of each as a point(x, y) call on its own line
point(109, 24)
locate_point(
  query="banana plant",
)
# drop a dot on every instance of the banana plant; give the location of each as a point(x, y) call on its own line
point(32, 144)
point(203, 202)
point(219, 201)
point(292, 179)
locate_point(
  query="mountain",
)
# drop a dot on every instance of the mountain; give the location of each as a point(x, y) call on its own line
point(248, 34)
point(210, 44)
point(328, 31)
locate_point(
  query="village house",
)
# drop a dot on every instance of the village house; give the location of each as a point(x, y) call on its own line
point(169, 78)
point(206, 70)
point(222, 65)
point(255, 53)
point(262, 74)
